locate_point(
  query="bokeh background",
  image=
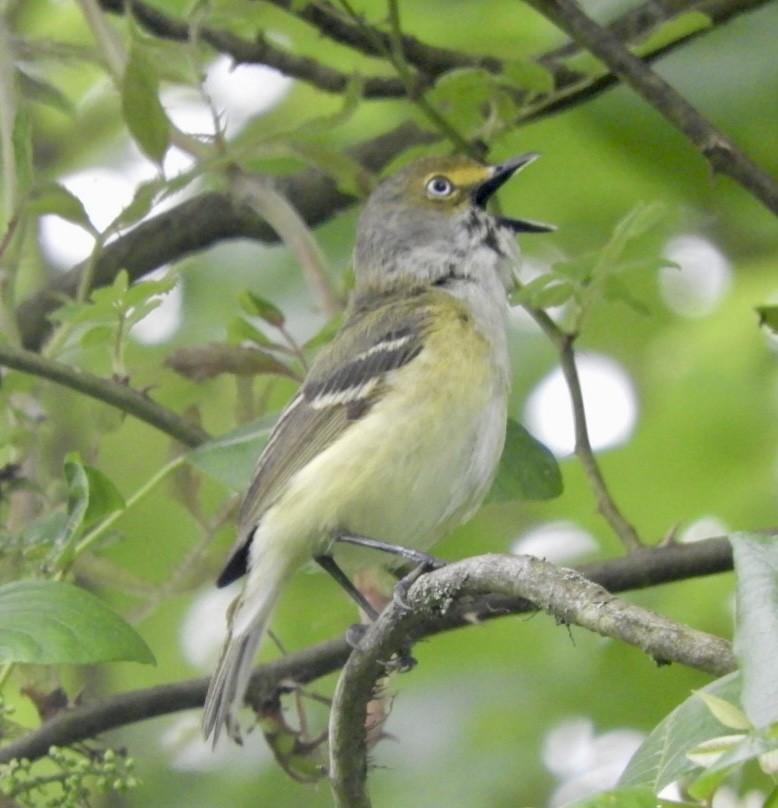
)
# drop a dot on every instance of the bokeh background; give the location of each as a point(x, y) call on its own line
point(681, 390)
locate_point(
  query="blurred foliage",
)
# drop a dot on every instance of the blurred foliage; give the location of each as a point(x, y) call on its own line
point(81, 89)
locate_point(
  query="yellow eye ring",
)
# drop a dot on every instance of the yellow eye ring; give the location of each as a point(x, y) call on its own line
point(439, 187)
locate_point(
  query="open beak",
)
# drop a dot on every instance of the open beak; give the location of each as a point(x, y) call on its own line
point(500, 174)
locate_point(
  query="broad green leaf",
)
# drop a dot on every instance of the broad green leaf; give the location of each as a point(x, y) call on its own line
point(231, 458)
point(662, 757)
point(756, 633)
point(53, 622)
point(527, 471)
point(145, 116)
point(635, 797)
point(53, 198)
point(678, 28)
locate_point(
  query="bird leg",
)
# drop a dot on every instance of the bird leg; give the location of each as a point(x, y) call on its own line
point(327, 563)
point(414, 556)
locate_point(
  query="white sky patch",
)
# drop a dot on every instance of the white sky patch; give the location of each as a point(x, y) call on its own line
point(559, 542)
point(104, 193)
point(243, 91)
point(161, 323)
point(236, 94)
point(609, 400)
point(702, 278)
point(706, 527)
point(584, 762)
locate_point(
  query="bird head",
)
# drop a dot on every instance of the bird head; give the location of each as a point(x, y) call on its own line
point(430, 219)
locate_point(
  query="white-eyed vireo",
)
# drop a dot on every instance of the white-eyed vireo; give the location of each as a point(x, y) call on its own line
point(397, 430)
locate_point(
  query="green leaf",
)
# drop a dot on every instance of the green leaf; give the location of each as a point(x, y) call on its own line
point(726, 713)
point(635, 797)
point(756, 633)
point(22, 149)
point(462, 95)
point(257, 306)
point(662, 757)
point(76, 508)
point(528, 470)
point(768, 315)
point(145, 116)
point(529, 75)
point(146, 194)
point(639, 221)
point(104, 496)
point(231, 458)
point(53, 198)
point(734, 755)
point(43, 92)
point(680, 27)
point(52, 622)
point(544, 291)
point(241, 330)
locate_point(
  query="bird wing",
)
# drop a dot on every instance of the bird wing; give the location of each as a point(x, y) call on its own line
point(342, 385)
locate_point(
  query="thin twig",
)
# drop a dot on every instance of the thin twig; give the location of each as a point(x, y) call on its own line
point(260, 193)
point(606, 505)
point(720, 152)
point(109, 392)
point(354, 32)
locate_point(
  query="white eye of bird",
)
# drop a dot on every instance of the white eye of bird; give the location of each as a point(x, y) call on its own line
point(439, 187)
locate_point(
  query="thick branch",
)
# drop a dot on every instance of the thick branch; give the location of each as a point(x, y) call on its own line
point(110, 392)
point(721, 153)
point(649, 566)
point(563, 593)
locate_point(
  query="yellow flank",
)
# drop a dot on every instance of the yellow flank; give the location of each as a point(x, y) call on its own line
point(381, 481)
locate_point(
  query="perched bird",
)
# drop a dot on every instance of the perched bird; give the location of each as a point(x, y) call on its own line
point(395, 435)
